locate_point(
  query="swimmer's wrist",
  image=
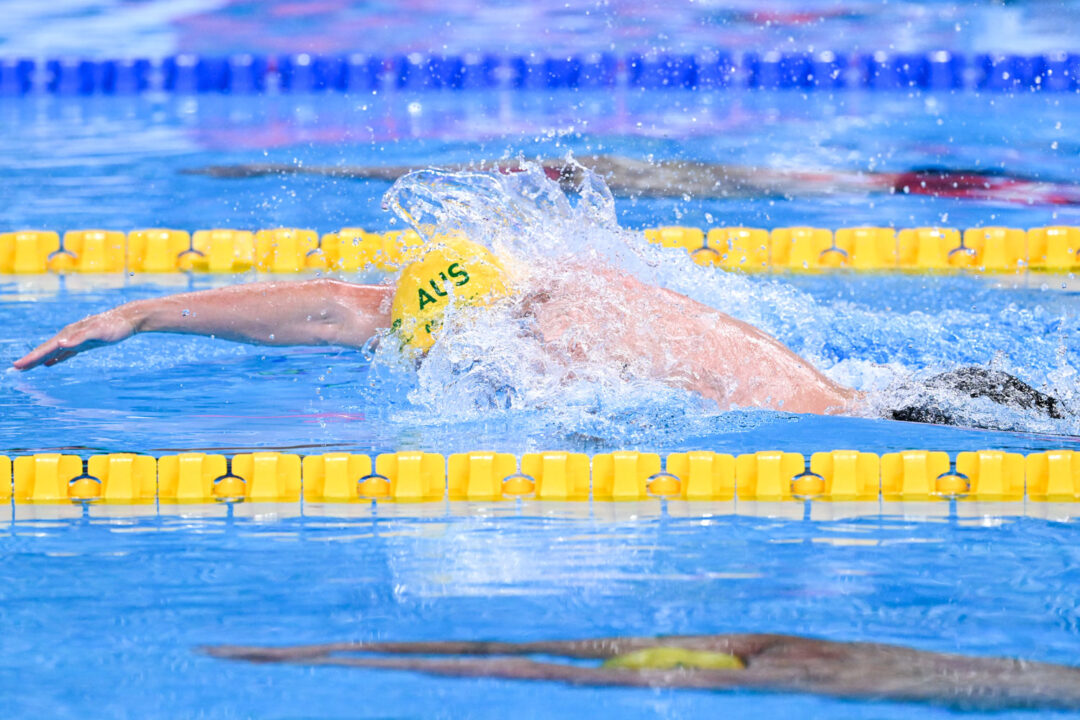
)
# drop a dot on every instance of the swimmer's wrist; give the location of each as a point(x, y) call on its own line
point(135, 314)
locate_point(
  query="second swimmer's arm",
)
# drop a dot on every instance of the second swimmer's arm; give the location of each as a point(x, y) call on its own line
point(313, 312)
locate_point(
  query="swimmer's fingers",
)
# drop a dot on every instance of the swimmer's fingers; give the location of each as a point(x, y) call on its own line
point(43, 354)
point(55, 350)
point(92, 332)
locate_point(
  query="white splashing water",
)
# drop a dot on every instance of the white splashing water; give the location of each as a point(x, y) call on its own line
point(493, 360)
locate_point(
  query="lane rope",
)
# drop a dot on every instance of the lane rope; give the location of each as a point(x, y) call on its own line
point(244, 73)
point(296, 250)
point(415, 477)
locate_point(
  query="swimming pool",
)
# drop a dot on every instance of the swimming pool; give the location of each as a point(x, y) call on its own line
point(103, 609)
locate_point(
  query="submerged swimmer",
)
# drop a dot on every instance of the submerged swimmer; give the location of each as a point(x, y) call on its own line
point(773, 663)
point(676, 178)
point(647, 331)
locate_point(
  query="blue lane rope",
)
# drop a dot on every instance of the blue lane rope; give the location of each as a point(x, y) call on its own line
point(246, 73)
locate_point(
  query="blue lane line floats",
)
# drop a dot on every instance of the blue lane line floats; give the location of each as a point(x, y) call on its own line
point(362, 73)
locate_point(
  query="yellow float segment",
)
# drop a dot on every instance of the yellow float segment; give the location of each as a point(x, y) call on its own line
point(737, 248)
point(284, 250)
point(6, 487)
point(189, 477)
point(27, 252)
point(558, 475)
point(992, 475)
point(803, 248)
point(677, 236)
point(156, 250)
point(124, 477)
point(848, 474)
point(868, 248)
point(92, 251)
point(478, 475)
point(623, 475)
point(767, 475)
point(1055, 248)
point(220, 251)
point(998, 249)
point(44, 478)
point(703, 474)
point(912, 474)
point(1053, 476)
point(334, 477)
point(413, 476)
point(931, 248)
point(268, 476)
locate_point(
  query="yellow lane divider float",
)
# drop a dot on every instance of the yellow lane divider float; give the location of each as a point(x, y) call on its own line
point(421, 477)
point(294, 250)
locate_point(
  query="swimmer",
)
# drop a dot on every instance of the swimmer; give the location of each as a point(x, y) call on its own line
point(630, 177)
point(646, 331)
point(772, 663)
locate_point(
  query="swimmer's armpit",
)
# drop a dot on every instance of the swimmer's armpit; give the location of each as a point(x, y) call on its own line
point(776, 663)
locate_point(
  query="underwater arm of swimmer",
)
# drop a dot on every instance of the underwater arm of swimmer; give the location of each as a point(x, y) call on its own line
point(312, 312)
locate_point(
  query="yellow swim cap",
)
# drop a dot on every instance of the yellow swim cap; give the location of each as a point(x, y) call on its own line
point(673, 658)
point(454, 270)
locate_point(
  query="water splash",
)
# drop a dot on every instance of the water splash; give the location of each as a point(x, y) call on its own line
point(495, 361)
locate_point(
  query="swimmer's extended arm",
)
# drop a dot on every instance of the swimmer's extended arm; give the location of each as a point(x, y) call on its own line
point(312, 312)
point(778, 663)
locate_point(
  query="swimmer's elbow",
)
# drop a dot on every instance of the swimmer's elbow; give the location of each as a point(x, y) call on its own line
point(350, 315)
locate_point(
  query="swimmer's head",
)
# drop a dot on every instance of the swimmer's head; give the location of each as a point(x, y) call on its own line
point(450, 271)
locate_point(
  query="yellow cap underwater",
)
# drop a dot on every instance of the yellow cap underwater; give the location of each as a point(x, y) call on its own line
point(453, 271)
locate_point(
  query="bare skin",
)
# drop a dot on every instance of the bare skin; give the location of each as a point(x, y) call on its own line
point(656, 332)
point(630, 177)
point(773, 663)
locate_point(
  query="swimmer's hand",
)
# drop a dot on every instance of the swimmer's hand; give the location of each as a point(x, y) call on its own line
point(91, 332)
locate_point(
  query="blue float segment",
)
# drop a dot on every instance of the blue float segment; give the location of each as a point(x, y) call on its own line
point(420, 72)
point(562, 72)
point(1062, 72)
point(245, 74)
point(774, 70)
point(71, 76)
point(903, 71)
point(16, 76)
point(762, 71)
point(551, 73)
point(125, 77)
point(479, 71)
point(828, 70)
point(796, 71)
point(945, 71)
point(663, 71)
point(1010, 72)
point(598, 70)
point(194, 74)
point(311, 73)
point(362, 73)
point(1029, 72)
point(715, 70)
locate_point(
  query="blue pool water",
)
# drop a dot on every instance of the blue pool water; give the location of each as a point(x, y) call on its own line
point(103, 615)
point(102, 618)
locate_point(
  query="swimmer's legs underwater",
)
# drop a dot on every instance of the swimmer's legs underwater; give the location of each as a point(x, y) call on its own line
point(773, 663)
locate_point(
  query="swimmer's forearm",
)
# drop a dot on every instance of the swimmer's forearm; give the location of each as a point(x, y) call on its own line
point(314, 312)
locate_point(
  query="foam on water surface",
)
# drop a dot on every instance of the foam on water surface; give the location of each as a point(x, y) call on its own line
point(558, 246)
